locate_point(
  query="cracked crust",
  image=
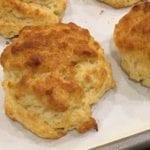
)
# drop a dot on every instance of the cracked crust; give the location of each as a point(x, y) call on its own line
point(16, 14)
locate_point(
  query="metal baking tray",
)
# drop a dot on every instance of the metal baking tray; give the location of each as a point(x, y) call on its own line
point(140, 141)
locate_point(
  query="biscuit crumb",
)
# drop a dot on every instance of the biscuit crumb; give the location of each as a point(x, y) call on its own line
point(101, 12)
point(7, 42)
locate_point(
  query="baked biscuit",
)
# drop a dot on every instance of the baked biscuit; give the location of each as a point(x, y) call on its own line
point(52, 76)
point(132, 37)
point(120, 3)
point(16, 14)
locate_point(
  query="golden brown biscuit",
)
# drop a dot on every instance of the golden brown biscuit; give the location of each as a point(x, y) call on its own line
point(52, 76)
point(132, 37)
point(120, 3)
point(16, 14)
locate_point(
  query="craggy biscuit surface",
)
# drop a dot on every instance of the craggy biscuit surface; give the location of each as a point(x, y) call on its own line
point(52, 76)
point(16, 14)
point(120, 3)
point(132, 37)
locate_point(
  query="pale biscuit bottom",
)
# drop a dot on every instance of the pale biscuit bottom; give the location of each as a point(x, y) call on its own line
point(137, 67)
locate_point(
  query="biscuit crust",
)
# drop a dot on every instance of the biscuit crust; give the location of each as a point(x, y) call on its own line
point(16, 14)
point(120, 3)
point(132, 37)
point(53, 74)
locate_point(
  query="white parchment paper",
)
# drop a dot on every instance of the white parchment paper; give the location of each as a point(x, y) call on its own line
point(120, 112)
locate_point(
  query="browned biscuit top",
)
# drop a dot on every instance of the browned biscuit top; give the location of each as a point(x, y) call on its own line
point(132, 33)
point(43, 48)
point(56, 50)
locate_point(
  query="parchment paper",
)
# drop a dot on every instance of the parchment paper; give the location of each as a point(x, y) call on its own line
point(120, 112)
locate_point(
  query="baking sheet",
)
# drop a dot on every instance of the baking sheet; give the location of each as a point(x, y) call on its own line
point(120, 112)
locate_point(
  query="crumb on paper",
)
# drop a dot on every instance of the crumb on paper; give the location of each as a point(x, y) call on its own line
point(7, 42)
point(101, 12)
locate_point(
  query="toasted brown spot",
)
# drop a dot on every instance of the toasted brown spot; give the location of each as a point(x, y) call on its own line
point(84, 52)
point(34, 61)
point(85, 126)
point(132, 33)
